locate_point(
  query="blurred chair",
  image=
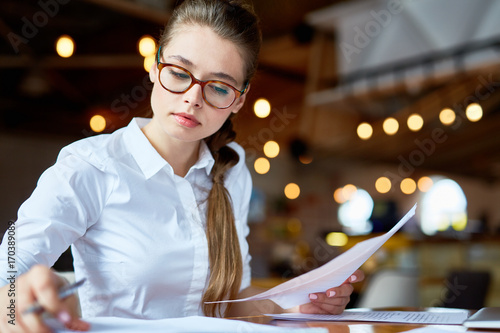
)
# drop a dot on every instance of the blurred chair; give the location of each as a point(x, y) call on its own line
point(390, 288)
point(466, 289)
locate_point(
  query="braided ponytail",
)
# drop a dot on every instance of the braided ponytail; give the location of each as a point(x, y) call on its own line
point(224, 249)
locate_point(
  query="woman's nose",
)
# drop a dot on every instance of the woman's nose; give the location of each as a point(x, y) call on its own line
point(194, 96)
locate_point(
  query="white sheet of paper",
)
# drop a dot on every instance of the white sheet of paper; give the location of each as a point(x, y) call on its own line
point(179, 325)
point(455, 317)
point(332, 274)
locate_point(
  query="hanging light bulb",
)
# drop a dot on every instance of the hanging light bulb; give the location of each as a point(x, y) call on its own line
point(474, 112)
point(365, 131)
point(262, 108)
point(390, 126)
point(65, 46)
point(146, 46)
point(415, 122)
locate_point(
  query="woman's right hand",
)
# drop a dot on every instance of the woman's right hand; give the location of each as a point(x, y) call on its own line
point(38, 284)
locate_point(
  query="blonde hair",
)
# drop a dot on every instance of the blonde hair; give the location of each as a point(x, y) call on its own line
point(234, 21)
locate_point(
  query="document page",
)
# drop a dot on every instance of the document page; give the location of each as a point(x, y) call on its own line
point(178, 325)
point(408, 317)
point(332, 274)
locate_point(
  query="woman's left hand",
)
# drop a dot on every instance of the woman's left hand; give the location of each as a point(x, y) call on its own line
point(334, 300)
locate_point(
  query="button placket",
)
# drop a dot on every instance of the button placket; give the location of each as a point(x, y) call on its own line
point(200, 260)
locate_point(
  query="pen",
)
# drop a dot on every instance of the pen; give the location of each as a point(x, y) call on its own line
point(64, 292)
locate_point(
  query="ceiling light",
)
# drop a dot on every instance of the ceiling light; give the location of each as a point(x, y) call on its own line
point(447, 116)
point(474, 112)
point(271, 149)
point(408, 186)
point(415, 122)
point(65, 46)
point(338, 196)
point(425, 184)
point(262, 108)
point(390, 126)
point(262, 165)
point(97, 123)
point(147, 46)
point(292, 191)
point(365, 131)
point(348, 191)
point(383, 185)
point(149, 62)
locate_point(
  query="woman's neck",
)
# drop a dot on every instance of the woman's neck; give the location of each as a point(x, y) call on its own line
point(180, 155)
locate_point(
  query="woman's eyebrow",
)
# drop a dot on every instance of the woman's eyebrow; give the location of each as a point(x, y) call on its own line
point(184, 61)
point(224, 76)
point(218, 75)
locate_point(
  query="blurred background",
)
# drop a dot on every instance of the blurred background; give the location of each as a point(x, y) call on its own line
point(359, 110)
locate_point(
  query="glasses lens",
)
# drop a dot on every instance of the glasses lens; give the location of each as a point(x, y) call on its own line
point(219, 94)
point(175, 79)
point(178, 80)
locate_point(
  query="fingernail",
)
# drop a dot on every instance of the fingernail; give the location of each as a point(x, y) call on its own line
point(331, 293)
point(313, 296)
point(353, 278)
point(64, 317)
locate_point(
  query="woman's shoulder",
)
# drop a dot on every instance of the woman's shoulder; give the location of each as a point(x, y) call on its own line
point(96, 150)
point(239, 174)
point(241, 165)
point(239, 149)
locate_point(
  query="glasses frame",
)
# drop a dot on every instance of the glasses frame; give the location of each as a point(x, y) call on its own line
point(160, 65)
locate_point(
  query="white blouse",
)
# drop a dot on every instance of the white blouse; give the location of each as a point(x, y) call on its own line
point(136, 230)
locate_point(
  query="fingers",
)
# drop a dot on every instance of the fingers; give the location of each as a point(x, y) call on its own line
point(333, 301)
point(357, 276)
point(78, 325)
point(41, 285)
point(37, 285)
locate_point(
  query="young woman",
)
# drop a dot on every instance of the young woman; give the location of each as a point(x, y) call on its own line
point(155, 212)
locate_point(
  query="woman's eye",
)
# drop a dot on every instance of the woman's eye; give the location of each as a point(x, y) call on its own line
point(180, 75)
point(220, 90)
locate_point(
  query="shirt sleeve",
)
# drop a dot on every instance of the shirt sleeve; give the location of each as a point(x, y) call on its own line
point(67, 200)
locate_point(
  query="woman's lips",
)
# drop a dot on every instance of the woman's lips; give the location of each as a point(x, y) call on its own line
point(186, 120)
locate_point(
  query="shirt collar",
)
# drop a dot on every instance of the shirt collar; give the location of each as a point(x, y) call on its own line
point(145, 155)
point(149, 160)
point(205, 159)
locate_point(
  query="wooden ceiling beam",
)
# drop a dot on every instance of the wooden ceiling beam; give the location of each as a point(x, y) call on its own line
point(135, 9)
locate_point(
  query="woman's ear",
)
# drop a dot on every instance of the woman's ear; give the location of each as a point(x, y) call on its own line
point(241, 101)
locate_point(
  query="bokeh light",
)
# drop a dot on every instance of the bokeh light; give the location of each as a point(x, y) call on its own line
point(97, 123)
point(65, 46)
point(262, 108)
point(383, 185)
point(292, 191)
point(262, 165)
point(415, 122)
point(271, 149)
point(365, 131)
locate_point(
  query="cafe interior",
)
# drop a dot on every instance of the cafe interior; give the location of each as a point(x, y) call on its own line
point(359, 110)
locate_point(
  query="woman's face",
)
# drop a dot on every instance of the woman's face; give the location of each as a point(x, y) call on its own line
point(186, 116)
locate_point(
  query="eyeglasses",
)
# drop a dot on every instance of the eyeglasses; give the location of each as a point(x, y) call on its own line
point(178, 80)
